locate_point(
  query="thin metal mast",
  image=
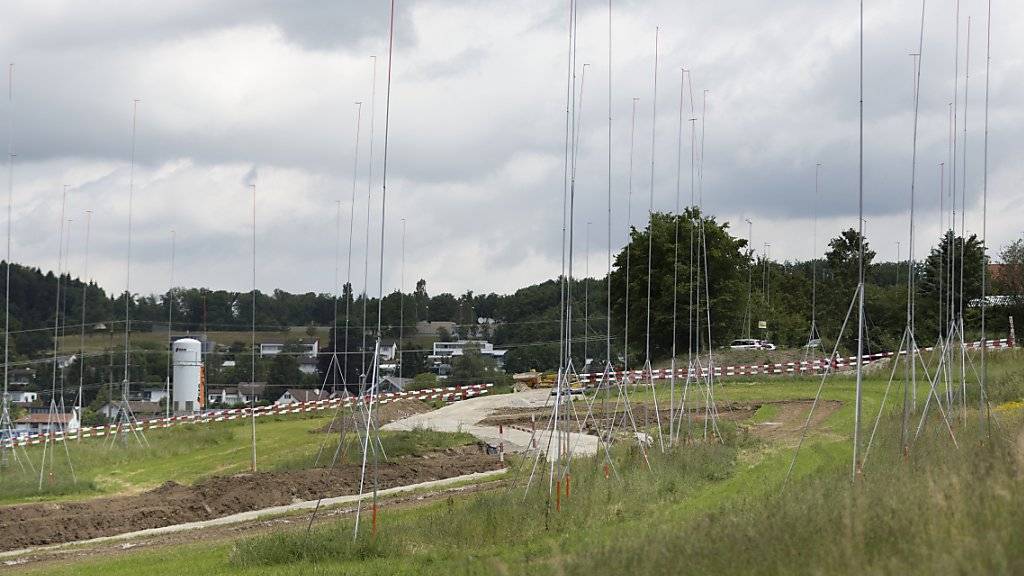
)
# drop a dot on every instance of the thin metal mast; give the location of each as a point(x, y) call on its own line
point(369, 198)
point(650, 238)
point(334, 367)
point(942, 233)
point(252, 395)
point(608, 304)
point(401, 309)
point(128, 261)
point(52, 414)
point(81, 339)
point(650, 205)
point(675, 259)
point(629, 235)
point(351, 229)
point(586, 296)
point(5, 416)
point(814, 252)
point(750, 270)
point(982, 399)
point(170, 311)
point(910, 337)
point(860, 260)
point(963, 227)
point(380, 299)
point(956, 161)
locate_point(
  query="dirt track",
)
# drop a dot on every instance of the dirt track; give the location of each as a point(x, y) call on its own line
point(50, 523)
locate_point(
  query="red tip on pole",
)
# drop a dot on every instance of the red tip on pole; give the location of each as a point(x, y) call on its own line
point(373, 530)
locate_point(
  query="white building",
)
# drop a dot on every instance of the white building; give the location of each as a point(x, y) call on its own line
point(244, 393)
point(307, 349)
point(299, 395)
point(44, 423)
point(23, 397)
point(140, 409)
point(154, 393)
point(445, 351)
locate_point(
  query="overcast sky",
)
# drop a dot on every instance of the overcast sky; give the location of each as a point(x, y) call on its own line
point(233, 93)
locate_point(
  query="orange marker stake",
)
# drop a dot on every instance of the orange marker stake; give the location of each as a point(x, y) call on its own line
point(605, 471)
point(373, 530)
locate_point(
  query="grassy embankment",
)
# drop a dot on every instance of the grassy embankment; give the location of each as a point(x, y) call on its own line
point(100, 341)
point(704, 509)
point(189, 453)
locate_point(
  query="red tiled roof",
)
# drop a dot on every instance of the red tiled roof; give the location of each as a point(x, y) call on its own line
point(45, 418)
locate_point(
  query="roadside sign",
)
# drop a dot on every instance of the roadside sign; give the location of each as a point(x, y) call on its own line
point(762, 324)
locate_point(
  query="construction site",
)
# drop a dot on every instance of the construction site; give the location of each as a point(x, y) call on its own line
point(265, 393)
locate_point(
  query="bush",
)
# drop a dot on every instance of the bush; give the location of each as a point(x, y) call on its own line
point(423, 381)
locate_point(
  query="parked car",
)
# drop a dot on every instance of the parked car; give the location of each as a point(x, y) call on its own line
point(745, 344)
point(751, 344)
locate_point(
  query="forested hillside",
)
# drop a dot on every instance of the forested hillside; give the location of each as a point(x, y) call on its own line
point(742, 291)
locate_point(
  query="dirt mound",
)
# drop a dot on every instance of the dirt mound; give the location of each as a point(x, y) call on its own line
point(172, 503)
point(387, 413)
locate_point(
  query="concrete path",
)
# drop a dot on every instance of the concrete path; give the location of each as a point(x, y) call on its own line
point(465, 416)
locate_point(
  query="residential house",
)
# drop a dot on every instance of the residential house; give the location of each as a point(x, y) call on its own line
point(227, 395)
point(21, 376)
point(300, 395)
point(242, 394)
point(154, 392)
point(271, 348)
point(46, 423)
point(392, 384)
point(435, 329)
point(140, 409)
point(23, 396)
point(306, 349)
point(252, 392)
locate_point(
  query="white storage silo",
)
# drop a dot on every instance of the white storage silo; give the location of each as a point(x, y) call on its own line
point(187, 361)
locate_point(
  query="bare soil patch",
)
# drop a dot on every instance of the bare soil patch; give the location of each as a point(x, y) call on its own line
point(29, 525)
point(791, 418)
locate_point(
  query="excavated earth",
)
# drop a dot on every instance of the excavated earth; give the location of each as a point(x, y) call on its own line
point(30, 525)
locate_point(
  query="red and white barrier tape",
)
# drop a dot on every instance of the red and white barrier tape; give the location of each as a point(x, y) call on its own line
point(804, 367)
point(449, 394)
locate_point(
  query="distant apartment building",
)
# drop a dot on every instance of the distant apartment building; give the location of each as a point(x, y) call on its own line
point(444, 352)
point(306, 349)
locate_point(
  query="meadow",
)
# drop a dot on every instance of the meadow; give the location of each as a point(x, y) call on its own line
point(715, 507)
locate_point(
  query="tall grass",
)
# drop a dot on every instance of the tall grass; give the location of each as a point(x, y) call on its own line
point(490, 521)
point(939, 510)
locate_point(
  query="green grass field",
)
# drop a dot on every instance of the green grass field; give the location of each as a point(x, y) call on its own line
point(100, 341)
point(703, 509)
point(188, 453)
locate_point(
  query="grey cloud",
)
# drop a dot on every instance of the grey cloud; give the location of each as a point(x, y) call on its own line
point(477, 125)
